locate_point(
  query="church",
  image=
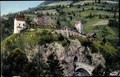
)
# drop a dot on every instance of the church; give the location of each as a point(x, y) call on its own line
point(19, 25)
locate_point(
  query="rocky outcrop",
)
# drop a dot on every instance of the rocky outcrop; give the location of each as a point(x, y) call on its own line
point(73, 57)
point(68, 56)
point(115, 73)
point(97, 59)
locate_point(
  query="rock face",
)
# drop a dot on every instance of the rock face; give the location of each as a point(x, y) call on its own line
point(115, 73)
point(77, 60)
point(97, 59)
point(68, 56)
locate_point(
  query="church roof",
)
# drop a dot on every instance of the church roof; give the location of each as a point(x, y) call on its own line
point(20, 19)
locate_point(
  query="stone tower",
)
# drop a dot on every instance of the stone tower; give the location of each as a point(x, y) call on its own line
point(78, 26)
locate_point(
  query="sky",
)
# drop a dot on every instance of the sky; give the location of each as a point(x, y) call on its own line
point(16, 6)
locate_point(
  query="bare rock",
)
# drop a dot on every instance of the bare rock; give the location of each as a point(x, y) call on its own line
point(97, 59)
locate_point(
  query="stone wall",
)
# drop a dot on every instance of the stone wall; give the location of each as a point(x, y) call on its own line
point(68, 33)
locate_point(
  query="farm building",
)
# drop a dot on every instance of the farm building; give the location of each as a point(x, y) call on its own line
point(44, 20)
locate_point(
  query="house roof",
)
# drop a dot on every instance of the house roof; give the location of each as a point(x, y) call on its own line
point(20, 19)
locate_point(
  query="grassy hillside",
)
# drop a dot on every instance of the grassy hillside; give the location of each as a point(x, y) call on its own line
point(59, 3)
point(95, 17)
point(26, 41)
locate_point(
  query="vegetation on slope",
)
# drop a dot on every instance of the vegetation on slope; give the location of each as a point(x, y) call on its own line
point(41, 37)
point(15, 56)
point(17, 64)
point(90, 14)
point(110, 53)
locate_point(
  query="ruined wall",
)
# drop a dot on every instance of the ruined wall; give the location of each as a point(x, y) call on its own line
point(68, 33)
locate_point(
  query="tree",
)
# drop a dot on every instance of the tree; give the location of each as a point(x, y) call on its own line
point(58, 23)
point(83, 9)
point(113, 23)
point(79, 15)
point(112, 9)
point(79, 6)
point(76, 0)
point(28, 22)
point(71, 5)
point(39, 14)
point(104, 40)
point(54, 65)
point(90, 16)
point(98, 71)
point(95, 1)
point(38, 67)
point(14, 64)
point(20, 15)
point(92, 8)
point(116, 10)
point(107, 71)
point(100, 16)
point(86, 43)
point(99, 1)
point(74, 14)
point(51, 14)
point(61, 38)
point(71, 17)
point(106, 16)
point(47, 14)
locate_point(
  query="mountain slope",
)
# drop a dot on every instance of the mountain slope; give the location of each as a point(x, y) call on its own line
point(28, 40)
point(89, 14)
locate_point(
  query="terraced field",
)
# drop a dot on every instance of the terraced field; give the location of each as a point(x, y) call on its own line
point(59, 3)
point(100, 16)
point(47, 11)
point(102, 22)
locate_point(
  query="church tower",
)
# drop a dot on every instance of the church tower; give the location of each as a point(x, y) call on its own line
point(78, 26)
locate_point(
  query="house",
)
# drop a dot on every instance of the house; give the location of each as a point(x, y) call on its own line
point(43, 20)
point(19, 25)
point(78, 26)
